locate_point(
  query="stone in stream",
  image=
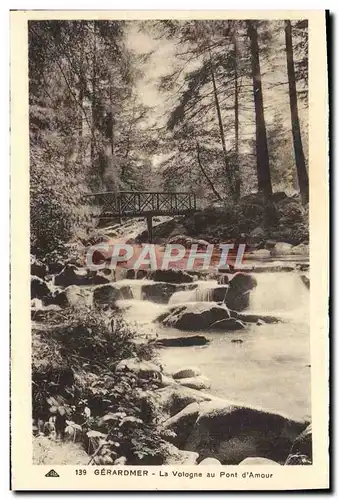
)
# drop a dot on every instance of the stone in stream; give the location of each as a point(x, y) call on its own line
point(170, 276)
point(191, 371)
point(174, 398)
point(161, 292)
point(196, 316)
point(305, 280)
point(240, 285)
point(107, 295)
point(228, 325)
point(190, 340)
point(231, 432)
point(255, 318)
point(197, 382)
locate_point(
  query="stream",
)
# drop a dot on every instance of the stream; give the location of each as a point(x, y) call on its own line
point(269, 369)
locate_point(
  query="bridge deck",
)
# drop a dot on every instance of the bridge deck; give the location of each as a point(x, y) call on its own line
point(144, 203)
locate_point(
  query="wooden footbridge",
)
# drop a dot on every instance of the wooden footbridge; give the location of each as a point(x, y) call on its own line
point(143, 204)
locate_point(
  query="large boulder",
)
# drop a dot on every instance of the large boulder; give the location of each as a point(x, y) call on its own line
point(196, 316)
point(301, 451)
point(38, 268)
point(170, 276)
point(107, 295)
point(231, 433)
point(172, 399)
point(40, 289)
point(240, 286)
point(159, 292)
point(189, 340)
point(182, 423)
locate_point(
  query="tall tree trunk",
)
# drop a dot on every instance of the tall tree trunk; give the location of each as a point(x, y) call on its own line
point(297, 142)
point(94, 100)
point(221, 127)
point(205, 173)
point(236, 121)
point(263, 166)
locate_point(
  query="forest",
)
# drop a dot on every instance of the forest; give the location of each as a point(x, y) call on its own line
point(226, 113)
point(216, 108)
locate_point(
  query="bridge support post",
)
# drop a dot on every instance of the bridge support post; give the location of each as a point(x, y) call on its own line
point(149, 228)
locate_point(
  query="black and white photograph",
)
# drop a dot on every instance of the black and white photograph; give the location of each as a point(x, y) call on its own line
point(169, 241)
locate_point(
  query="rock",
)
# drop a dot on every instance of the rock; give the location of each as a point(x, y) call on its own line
point(210, 461)
point(281, 249)
point(298, 460)
point(174, 456)
point(303, 444)
point(36, 304)
point(107, 295)
point(255, 318)
point(182, 423)
point(198, 383)
point(158, 292)
point(40, 289)
point(38, 268)
point(196, 316)
point(306, 280)
point(240, 285)
point(172, 399)
point(222, 279)
point(187, 372)
point(143, 369)
point(231, 433)
point(44, 313)
point(270, 244)
point(56, 267)
point(190, 340)
point(140, 274)
point(72, 296)
point(73, 275)
point(167, 381)
point(219, 294)
point(302, 249)
point(130, 274)
point(258, 461)
point(170, 276)
point(260, 254)
point(228, 325)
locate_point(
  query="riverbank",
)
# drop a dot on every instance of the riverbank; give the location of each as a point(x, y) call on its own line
point(250, 367)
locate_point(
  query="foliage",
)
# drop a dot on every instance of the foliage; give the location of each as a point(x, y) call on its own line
point(78, 394)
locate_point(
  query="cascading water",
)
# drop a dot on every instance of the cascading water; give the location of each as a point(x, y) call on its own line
point(135, 286)
point(203, 293)
point(280, 293)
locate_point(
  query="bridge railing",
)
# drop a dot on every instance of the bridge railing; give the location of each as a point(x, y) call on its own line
point(129, 203)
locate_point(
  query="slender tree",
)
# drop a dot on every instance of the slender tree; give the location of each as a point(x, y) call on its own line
point(263, 167)
point(297, 142)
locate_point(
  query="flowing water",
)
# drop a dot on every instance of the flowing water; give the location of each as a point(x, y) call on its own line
point(269, 369)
